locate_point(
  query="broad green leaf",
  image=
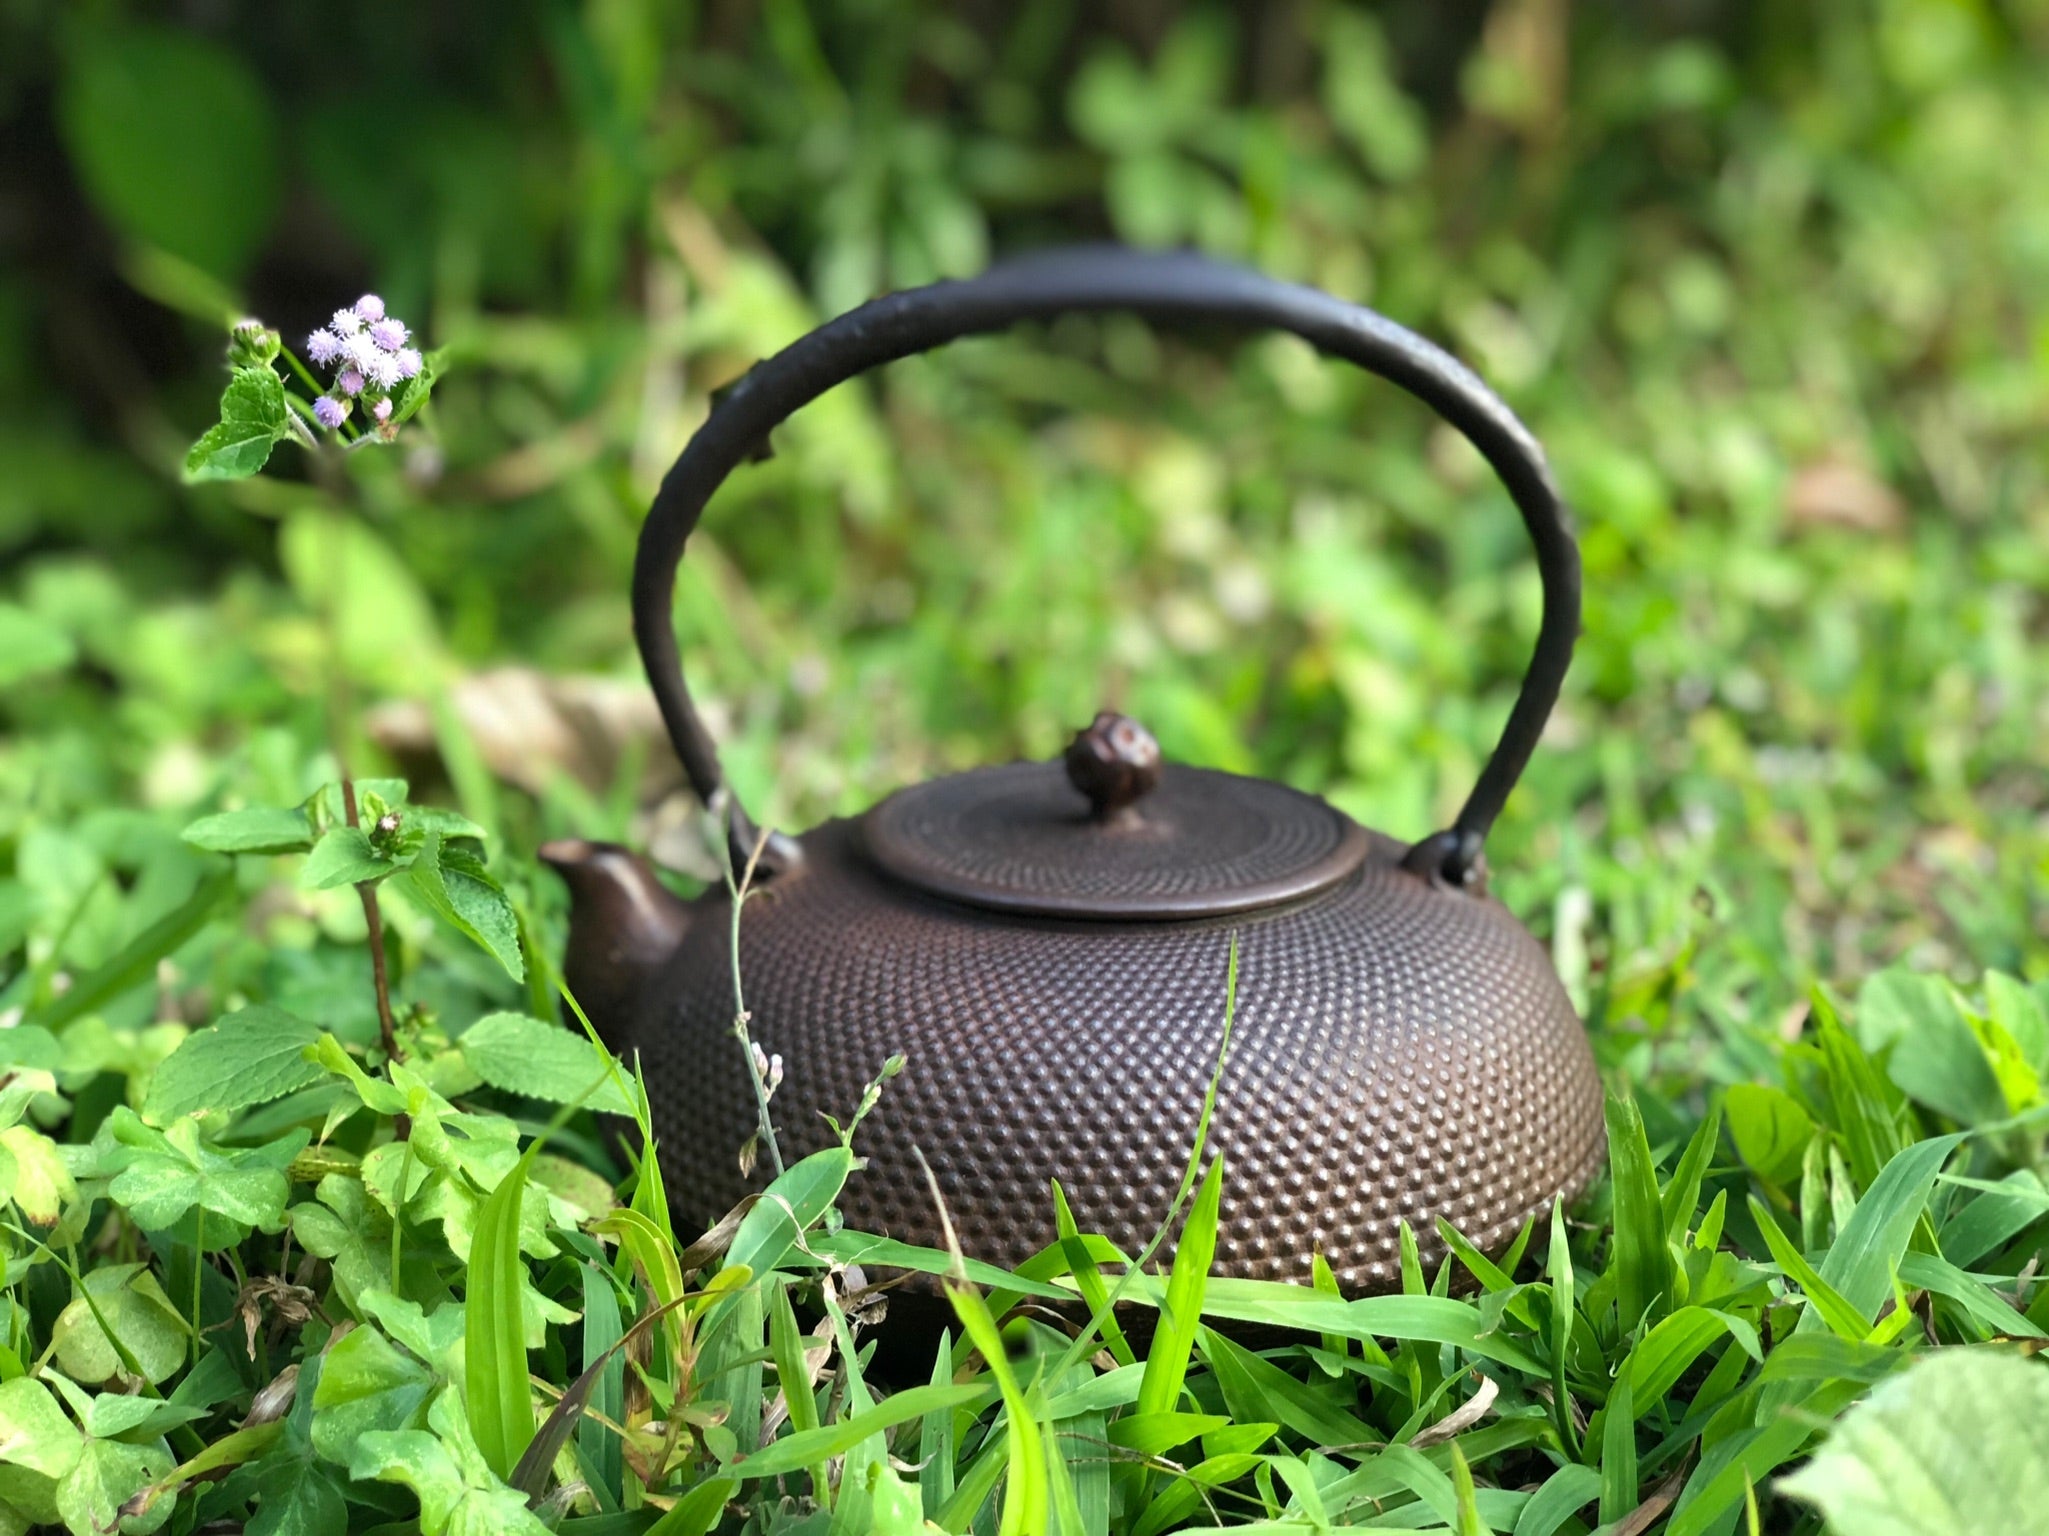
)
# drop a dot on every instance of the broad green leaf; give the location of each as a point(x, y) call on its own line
point(254, 420)
point(1952, 1445)
point(498, 1396)
point(1934, 1056)
point(107, 1474)
point(163, 1174)
point(35, 1433)
point(459, 1493)
point(259, 829)
point(343, 856)
point(366, 1385)
point(456, 887)
point(199, 184)
point(297, 1495)
point(29, 646)
point(540, 1060)
point(249, 1057)
point(1166, 1362)
point(1770, 1129)
point(140, 1315)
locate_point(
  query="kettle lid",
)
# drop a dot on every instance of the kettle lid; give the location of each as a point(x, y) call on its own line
point(1113, 834)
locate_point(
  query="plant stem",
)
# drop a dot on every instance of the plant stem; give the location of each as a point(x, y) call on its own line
point(387, 1026)
point(740, 1019)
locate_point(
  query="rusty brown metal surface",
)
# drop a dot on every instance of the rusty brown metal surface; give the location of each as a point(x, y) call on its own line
point(1400, 1051)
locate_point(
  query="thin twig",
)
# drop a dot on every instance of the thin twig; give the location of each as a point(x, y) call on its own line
point(387, 1026)
point(740, 1019)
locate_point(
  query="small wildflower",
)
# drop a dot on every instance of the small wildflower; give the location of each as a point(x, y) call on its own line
point(330, 412)
point(370, 308)
point(389, 334)
point(358, 350)
point(768, 1068)
point(408, 362)
point(382, 409)
point(346, 322)
point(323, 346)
point(382, 370)
point(350, 382)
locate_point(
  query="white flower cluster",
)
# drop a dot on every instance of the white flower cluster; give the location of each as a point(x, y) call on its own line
point(370, 353)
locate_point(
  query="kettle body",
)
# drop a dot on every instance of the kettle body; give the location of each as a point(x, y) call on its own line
point(1050, 947)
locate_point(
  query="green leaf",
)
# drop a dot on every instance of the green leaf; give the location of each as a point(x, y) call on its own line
point(1642, 1259)
point(1841, 1315)
point(795, 1452)
point(202, 185)
point(1166, 1362)
point(697, 1511)
point(108, 1473)
point(540, 1060)
point(366, 1386)
point(1770, 1129)
point(163, 1174)
point(1868, 1249)
point(343, 856)
point(498, 1396)
point(30, 647)
point(40, 1185)
point(455, 886)
point(297, 1496)
point(249, 1057)
point(140, 1315)
point(1618, 1453)
point(260, 829)
point(254, 420)
point(790, 1205)
point(413, 393)
point(1563, 1494)
point(34, 1432)
point(1935, 1057)
point(1952, 1445)
point(459, 1493)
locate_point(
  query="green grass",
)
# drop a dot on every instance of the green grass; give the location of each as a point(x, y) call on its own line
point(1773, 289)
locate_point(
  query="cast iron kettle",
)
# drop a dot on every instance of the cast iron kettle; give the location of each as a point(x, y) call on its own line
point(1047, 942)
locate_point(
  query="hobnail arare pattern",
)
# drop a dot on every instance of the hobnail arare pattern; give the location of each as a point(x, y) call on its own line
point(1399, 1051)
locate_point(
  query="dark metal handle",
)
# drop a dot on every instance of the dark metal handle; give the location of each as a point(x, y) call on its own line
point(1160, 285)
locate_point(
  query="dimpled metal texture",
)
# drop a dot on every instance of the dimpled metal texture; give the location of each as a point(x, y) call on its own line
point(1020, 838)
point(1399, 1051)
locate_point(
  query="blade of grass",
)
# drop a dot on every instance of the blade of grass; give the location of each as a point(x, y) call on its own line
point(1618, 1453)
point(1088, 1278)
point(1827, 1303)
point(1564, 1305)
point(1642, 1262)
point(1682, 1194)
point(936, 1441)
point(602, 1328)
point(798, 1452)
point(793, 1372)
point(495, 1388)
point(1166, 1362)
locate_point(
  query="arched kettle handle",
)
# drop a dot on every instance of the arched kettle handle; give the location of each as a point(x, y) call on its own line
point(1159, 285)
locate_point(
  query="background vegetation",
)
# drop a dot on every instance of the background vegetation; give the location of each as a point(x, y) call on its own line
point(1771, 283)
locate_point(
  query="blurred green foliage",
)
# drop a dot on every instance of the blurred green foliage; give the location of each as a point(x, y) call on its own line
point(1771, 283)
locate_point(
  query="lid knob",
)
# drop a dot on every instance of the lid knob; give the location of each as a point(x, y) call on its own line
point(1114, 761)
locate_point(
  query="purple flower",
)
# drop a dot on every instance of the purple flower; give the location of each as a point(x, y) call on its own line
point(388, 334)
point(382, 370)
point(346, 322)
point(323, 346)
point(370, 308)
point(330, 412)
point(350, 382)
point(408, 362)
point(382, 409)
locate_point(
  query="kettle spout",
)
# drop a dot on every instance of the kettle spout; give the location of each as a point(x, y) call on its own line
point(623, 924)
